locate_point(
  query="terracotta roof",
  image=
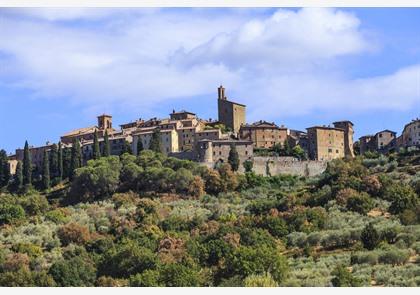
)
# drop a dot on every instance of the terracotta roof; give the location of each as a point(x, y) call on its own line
point(81, 131)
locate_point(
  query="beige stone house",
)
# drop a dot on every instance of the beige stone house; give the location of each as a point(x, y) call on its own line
point(213, 151)
point(411, 134)
point(264, 134)
point(325, 143)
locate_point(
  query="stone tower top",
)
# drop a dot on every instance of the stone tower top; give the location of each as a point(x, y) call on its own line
point(221, 92)
point(104, 122)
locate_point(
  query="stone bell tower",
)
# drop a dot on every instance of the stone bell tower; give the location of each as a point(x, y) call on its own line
point(231, 114)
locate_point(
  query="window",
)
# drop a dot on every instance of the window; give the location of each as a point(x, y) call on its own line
point(246, 152)
point(330, 150)
point(380, 135)
point(214, 153)
point(336, 151)
point(220, 153)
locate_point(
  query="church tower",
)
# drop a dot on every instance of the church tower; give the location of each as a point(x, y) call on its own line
point(231, 114)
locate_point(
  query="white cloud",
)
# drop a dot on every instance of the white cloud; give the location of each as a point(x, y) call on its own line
point(287, 39)
point(281, 64)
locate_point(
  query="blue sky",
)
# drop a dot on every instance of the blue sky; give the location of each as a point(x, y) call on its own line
point(60, 68)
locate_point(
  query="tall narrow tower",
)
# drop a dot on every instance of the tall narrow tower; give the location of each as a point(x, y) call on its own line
point(231, 114)
point(347, 126)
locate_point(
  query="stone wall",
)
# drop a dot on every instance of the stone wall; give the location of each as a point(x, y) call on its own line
point(287, 165)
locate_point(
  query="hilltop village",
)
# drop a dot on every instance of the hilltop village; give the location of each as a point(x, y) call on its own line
point(268, 146)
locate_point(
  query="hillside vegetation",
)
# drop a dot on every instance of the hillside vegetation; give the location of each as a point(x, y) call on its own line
point(152, 220)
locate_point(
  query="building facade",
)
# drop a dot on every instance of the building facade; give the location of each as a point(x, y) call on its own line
point(214, 151)
point(382, 142)
point(231, 114)
point(117, 144)
point(347, 126)
point(168, 138)
point(325, 143)
point(264, 134)
point(36, 153)
point(411, 134)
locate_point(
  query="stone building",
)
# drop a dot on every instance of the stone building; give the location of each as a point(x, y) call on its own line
point(382, 142)
point(87, 133)
point(182, 115)
point(366, 144)
point(264, 134)
point(36, 153)
point(116, 145)
point(297, 137)
point(188, 130)
point(347, 126)
point(168, 138)
point(231, 114)
point(211, 134)
point(211, 152)
point(411, 134)
point(325, 143)
point(130, 127)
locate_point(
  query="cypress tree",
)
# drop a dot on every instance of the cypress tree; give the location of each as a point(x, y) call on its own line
point(27, 165)
point(139, 146)
point(60, 162)
point(66, 162)
point(233, 158)
point(76, 158)
point(287, 148)
point(54, 161)
point(107, 148)
point(155, 142)
point(19, 175)
point(45, 171)
point(4, 168)
point(96, 150)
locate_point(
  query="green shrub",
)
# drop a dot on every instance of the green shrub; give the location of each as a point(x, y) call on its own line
point(178, 275)
point(57, 216)
point(343, 278)
point(394, 257)
point(246, 261)
point(30, 249)
point(35, 204)
point(148, 278)
point(402, 197)
point(127, 259)
point(11, 213)
point(74, 272)
point(364, 257)
point(360, 203)
point(262, 280)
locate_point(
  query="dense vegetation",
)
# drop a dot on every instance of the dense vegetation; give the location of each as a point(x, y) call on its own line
point(152, 220)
